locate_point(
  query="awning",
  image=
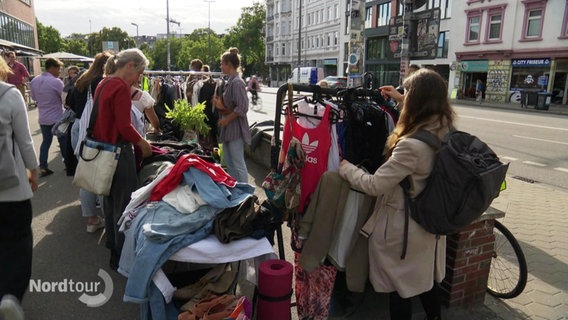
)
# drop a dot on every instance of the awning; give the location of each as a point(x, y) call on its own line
point(20, 49)
point(67, 56)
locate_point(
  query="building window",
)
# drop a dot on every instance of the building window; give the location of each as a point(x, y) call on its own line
point(534, 23)
point(473, 26)
point(336, 39)
point(495, 23)
point(443, 44)
point(17, 31)
point(284, 49)
point(368, 17)
point(400, 10)
point(494, 27)
point(444, 6)
point(384, 14)
point(533, 18)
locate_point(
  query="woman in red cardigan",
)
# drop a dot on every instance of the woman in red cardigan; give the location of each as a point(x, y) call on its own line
point(114, 125)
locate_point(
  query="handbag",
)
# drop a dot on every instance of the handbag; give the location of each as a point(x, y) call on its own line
point(97, 160)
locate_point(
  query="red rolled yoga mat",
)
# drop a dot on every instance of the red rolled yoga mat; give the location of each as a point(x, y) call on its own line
point(274, 290)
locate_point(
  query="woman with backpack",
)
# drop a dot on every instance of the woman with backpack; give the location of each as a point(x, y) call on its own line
point(425, 106)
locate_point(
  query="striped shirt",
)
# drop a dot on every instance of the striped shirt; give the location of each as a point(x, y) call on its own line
point(235, 98)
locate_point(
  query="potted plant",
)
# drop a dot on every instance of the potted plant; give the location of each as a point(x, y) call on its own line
point(191, 119)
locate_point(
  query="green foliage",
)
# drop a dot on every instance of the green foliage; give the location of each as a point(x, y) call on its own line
point(49, 38)
point(95, 39)
point(188, 117)
point(248, 35)
point(77, 46)
point(196, 46)
point(160, 57)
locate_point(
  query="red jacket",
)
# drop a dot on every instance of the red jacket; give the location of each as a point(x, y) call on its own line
point(114, 122)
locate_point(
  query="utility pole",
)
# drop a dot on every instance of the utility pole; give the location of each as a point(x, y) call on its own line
point(405, 52)
point(299, 39)
point(168, 57)
point(137, 36)
point(209, 31)
point(168, 20)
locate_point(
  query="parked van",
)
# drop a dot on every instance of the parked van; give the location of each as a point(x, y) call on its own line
point(308, 75)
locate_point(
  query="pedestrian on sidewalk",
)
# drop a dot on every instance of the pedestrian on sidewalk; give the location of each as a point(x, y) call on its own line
point(232, 104)
point(114, 125)
point(425, 106)
point(479, 89)
point(19, 75)
point(16, 241)
point(82, 92)
point(46, 90)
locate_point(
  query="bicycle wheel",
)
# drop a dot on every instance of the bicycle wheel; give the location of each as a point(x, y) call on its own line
point(255, 106)
point(508, 273)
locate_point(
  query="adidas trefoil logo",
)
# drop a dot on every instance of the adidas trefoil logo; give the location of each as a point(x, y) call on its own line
point(308, 146)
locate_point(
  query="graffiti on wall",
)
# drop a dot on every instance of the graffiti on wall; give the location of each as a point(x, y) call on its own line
point(497, 80)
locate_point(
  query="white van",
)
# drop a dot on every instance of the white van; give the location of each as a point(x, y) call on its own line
point(308, 75)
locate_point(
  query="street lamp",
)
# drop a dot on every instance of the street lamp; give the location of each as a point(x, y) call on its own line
point(209, 30)
point(137, 38)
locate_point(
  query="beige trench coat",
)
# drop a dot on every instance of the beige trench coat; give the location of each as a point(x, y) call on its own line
point(426, 256)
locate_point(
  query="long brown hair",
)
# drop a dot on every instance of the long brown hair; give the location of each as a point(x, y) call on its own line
point(95, 71)
point(425, 99)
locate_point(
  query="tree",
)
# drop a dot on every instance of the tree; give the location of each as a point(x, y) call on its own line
point(159, 54)
point(248, 36)
point(196, 46)
point(49, 38)
point(95, 40)
point(77, 46)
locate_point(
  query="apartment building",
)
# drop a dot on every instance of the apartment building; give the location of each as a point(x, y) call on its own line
point(379, 17)
point(512, 46)
point(318, 42)
point(18, 32)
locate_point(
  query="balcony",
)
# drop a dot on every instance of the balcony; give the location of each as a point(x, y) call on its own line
point(269, 38)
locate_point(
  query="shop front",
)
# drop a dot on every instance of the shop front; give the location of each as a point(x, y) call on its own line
point(471, 71)
point(529, 76)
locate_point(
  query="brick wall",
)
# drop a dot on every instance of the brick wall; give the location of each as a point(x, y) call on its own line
point(468, 260)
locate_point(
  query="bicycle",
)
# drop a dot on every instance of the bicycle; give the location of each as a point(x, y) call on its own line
point(508, 272)
point(255, 104)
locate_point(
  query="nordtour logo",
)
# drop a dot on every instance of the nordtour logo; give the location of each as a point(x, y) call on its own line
point(83, 287)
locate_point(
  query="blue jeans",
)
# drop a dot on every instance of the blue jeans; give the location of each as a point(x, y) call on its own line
point(234, 155)
point(47, 138)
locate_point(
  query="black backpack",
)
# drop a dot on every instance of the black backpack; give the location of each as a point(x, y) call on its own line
point(466, 177)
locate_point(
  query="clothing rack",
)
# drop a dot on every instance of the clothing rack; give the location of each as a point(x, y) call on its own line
point(280, 95)
point(182, 73)
point(276, 141)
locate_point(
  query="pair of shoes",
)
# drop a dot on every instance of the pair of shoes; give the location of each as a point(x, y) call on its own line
point(96, 226)
point(44, 172)
point(10, 308)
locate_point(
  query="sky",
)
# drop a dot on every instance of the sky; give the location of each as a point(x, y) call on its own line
point(85, 16)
